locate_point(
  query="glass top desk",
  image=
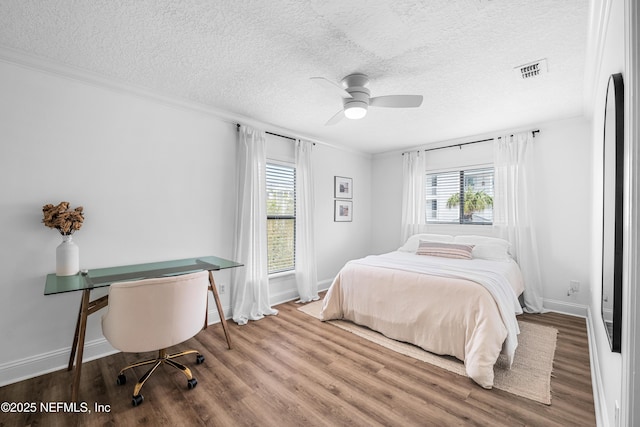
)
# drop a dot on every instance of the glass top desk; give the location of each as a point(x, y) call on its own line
point(103, 277)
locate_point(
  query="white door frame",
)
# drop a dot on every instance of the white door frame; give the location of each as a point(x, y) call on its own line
point(630, 393)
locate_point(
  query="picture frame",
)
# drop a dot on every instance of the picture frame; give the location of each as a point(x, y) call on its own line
point(343, 187)
point(343, 211)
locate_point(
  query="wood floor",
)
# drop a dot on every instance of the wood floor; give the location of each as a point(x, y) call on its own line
point(293, 370)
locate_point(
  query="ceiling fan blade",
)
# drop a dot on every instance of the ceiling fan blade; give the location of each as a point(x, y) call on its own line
point(332, 86)
point(396, 101)
point(335, 119)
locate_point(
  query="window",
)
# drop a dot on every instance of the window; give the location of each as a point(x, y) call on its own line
point(281, 217)
point(460, 197)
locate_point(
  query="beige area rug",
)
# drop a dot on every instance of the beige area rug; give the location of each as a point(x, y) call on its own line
point(529, 376)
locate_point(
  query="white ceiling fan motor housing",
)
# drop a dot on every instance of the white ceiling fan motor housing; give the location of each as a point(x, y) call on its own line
point(356, 107)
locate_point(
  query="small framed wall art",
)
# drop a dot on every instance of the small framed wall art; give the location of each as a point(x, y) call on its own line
point(343, 211)
point(343, 187)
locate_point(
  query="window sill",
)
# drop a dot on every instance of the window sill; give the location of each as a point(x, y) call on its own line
point(282, 274)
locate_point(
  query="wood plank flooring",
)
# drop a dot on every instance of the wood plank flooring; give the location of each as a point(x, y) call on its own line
point(293, 370)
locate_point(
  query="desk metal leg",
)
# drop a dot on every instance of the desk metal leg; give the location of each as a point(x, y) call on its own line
point(81, 331)
point(216, 297)
point(74, 346)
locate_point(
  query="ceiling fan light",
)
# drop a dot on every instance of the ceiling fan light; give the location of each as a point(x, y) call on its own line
point(355, 112)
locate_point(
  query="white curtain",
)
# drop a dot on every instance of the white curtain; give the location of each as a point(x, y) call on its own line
point(306, 271)
point(413, 197)
point(251, 282)
point(513, 210)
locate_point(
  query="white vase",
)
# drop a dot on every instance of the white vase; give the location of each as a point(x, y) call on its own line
point(67, 257)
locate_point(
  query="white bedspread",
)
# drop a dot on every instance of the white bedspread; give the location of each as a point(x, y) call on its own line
point(463, 308)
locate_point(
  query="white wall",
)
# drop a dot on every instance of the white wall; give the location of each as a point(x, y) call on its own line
point(610, 59)
point(157, 182)
point(338, 242)
point(562, 209)
point(386, 203)
point(563, 197)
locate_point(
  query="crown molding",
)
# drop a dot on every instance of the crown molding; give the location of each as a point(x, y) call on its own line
point(599, 13)
point(37, 63)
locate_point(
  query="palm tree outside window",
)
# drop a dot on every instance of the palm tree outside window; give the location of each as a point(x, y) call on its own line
point(460, 196)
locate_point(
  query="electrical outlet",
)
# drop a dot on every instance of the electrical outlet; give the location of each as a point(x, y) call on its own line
point(222, 288)
point(574, 285)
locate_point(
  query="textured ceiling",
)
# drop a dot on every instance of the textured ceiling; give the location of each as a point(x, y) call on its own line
point(253, 58)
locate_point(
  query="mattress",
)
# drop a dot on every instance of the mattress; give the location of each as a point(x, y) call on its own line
point(457, 307)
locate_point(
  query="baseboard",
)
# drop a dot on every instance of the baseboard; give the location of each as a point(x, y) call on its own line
point(213, 317)
point(565, 307)
point(599, 401)
point(324, 284)
point(282, 297)
point(292, 294)
point(34, 366)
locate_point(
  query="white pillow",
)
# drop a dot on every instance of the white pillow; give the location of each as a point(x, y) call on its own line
point(491, 251)
point(480, 240)
point(412, 242)
point(486, 247)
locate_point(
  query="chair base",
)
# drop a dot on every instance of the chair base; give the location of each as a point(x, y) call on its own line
point(163, 358)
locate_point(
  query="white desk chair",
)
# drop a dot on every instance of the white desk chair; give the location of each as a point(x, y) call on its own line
point(155, 314)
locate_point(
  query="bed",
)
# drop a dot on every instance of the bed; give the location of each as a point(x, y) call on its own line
point(433, 294)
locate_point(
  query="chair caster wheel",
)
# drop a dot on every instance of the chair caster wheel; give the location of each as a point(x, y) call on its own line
point(121, 380)
point(199, 359)
point(192, 383)
point(137, 400)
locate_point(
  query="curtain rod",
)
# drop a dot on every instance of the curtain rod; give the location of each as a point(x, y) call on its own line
point(275, 134)
point(281, 136)
point(533, 132)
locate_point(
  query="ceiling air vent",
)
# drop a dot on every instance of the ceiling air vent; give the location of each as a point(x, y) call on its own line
point(531, 70)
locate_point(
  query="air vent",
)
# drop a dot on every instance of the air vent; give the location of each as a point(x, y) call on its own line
point(531, 70)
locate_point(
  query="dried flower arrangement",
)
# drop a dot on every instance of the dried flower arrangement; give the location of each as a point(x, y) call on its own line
point(63, 219)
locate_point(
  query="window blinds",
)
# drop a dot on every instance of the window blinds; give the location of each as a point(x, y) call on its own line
point(281, 220)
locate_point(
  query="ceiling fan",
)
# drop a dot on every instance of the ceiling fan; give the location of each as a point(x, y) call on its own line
point(357, 97)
